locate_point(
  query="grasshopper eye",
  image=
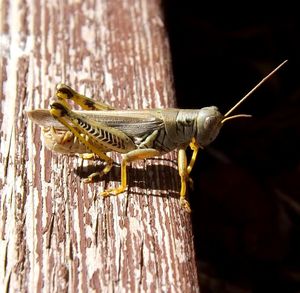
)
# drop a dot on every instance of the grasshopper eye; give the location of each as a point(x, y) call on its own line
point(210, 122)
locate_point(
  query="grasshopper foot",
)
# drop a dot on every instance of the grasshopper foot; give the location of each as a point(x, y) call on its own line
point(185, 205)
point(97, 175)
point(87, 156)
point(94, 177)
point(113, 191)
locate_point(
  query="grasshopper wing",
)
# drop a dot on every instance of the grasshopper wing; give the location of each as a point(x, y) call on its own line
point(42, 118)
point(135, 123)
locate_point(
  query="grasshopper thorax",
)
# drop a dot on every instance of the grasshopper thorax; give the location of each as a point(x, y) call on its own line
point(208, 125)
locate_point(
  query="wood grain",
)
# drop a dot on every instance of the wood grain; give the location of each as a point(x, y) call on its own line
point(57, 234)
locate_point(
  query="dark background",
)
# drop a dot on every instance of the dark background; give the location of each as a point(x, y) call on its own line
point(246, 198)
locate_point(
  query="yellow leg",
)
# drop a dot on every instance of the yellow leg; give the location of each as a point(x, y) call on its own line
point(60, 138)
point(58, 114)
point(134, 155)
point(64, 93)
point(94, 176)
point(194, 147)
point(67, 137)
point(183, 173)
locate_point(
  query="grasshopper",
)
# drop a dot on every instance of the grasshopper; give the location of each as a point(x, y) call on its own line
point(136, 134)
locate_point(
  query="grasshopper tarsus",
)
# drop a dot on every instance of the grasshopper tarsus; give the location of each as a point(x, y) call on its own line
point(94, 177)
point(88, 156)
point(185, 205)
point(113, 191)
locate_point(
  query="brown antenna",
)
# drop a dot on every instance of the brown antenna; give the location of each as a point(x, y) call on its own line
point(249, 93)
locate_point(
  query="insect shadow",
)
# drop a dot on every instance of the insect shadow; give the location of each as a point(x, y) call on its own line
point(157, 177)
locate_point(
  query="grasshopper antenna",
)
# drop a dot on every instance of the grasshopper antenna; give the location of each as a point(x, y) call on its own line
point(248, 94)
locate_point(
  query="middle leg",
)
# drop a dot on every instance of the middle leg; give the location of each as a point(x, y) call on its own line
point(134, 155)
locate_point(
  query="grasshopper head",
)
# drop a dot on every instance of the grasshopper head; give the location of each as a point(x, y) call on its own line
point(209, 123)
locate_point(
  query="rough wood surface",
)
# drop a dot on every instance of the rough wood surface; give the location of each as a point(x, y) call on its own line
point(56, 234)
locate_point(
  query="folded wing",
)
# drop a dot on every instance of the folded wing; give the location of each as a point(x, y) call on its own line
point(135, 123)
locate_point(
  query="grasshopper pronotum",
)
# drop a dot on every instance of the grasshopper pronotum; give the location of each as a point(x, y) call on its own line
point(136, 134)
